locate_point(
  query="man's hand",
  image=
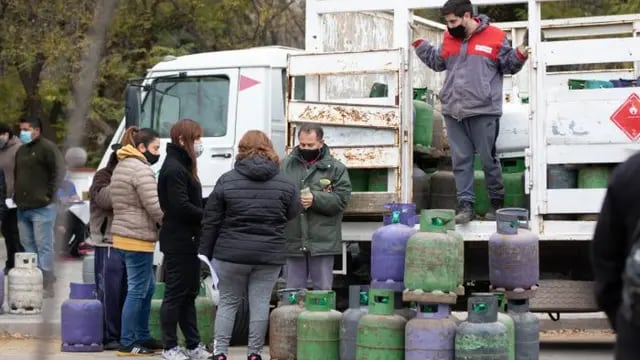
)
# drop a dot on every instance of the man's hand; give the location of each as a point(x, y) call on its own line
point(523, 50)
point(307, 200)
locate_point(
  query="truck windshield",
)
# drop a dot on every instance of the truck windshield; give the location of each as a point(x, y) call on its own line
point(203, 99)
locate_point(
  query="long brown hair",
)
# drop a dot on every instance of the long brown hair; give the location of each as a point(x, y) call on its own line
point(188, 131)
point(134, 136)
point(256, 143)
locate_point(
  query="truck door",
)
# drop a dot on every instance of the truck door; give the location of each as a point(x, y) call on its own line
point(206, 96)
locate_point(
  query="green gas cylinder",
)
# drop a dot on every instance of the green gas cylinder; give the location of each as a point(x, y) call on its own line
point(422, 123)
point(593, 177)
point(155, 327)
point(508, 322)
point(359, 180)
point(318, 328)
point(447, 217)
point(513, 178)
point(378, 179)
point(432, 259)
point(205, 313)
point(381, 332)
point(481, 204)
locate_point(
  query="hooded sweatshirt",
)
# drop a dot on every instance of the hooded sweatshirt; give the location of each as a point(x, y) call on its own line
point(247, 212)
point(134, 196)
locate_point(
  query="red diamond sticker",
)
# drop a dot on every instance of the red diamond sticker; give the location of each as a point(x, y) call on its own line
point(627, 117)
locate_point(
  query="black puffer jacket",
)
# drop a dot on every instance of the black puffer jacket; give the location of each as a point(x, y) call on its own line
point(247, 212)
point(180, 196)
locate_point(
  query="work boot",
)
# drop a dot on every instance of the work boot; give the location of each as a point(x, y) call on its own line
point(464, 212)
point(496, 204)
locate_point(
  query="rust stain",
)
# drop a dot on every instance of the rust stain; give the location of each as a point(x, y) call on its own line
point(348, 115)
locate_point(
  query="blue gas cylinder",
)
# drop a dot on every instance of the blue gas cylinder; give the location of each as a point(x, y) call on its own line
point(81, 320)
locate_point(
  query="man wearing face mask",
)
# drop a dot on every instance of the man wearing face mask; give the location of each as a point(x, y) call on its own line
point(315, 237)
point(476, 55)
point(9, 145)
point(39, 170)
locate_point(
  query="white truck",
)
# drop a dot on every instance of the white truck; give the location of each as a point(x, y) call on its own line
point(350, 45)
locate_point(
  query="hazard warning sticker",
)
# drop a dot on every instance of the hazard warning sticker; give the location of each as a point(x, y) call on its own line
point(627, 117)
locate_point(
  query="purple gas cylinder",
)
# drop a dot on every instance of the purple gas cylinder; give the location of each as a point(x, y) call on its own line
point(513, 252)
point(403, 213)
point(81, 320)
point(388, 245)
point(431, 334)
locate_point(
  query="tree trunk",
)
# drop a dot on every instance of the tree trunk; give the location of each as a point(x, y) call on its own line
point(32, 108)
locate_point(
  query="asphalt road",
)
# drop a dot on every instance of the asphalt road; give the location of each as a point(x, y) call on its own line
point(31, 349)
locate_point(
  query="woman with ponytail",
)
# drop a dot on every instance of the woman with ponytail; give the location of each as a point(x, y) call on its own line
point(180, 195)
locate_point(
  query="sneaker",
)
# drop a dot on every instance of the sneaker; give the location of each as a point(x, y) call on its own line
point(496, 204)
point(111, 345)
point(219, 357)
point(152, 344)
point(199, 353)
point(134, 350)
point(175, 353)
point(465, 212)
point(254, 357)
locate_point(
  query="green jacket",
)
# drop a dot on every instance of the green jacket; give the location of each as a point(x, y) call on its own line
point(318, 229)
point(38, 172)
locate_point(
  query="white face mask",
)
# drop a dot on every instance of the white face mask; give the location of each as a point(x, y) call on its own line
point(198, 148)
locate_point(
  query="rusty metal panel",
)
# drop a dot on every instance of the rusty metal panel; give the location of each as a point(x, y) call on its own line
point(348, 115)
point(343, 136)
point(370, 202)
point(368, 157)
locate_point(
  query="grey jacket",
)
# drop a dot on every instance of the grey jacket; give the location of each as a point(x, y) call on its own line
point(475, 67)
point(8, 162)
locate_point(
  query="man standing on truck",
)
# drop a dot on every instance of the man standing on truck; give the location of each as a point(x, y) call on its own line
point(315, 236)
point(39, 170)
point(615, 250)
point(476, 55)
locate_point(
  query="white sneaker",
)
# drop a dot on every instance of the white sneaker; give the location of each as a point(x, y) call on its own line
point(174, 354)
point(199, 353)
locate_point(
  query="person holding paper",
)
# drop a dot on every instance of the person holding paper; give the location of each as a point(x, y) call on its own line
point(243, 229)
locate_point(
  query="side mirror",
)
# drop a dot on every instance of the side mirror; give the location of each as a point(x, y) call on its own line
point(132, 105)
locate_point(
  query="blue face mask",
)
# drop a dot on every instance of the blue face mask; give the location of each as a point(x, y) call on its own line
point(25, 136)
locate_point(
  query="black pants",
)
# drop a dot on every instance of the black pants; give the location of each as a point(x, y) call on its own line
point(182, 285)
point(11, 236)
point(627, 340)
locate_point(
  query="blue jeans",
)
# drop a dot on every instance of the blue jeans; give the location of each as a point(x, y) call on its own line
point(36, 228)
point(137, 305)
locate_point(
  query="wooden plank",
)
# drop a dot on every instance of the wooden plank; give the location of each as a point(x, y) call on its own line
point(364, 62)
point(369, 202)
point(343, 114)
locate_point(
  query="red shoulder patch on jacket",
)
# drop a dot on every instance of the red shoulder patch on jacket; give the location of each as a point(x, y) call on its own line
point(450, 46)
point(487, 43)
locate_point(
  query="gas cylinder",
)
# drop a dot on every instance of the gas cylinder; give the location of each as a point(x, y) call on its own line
point(81, 319)
point(513, 179)
point(381, 332)
point(482, 336)
point(423, 123)
point(527, 330)
point(88, 269)
point(283, 325)
point(25, 285)
point(432, 259)
point(431, 335)
point(561, 177)
point(513, 251)
point(421, 183)
point(505, 319)
point(205, 314)
point(443, 189)
point(388, 245)
point(481, 204)
point(447, 218)
point(318, 328)
point(402, 213)
point(155, 326)
point(358, 301)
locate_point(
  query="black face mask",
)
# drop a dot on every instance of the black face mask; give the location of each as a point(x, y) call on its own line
point(458, 31)
point(309, 155)
point(151, 158)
